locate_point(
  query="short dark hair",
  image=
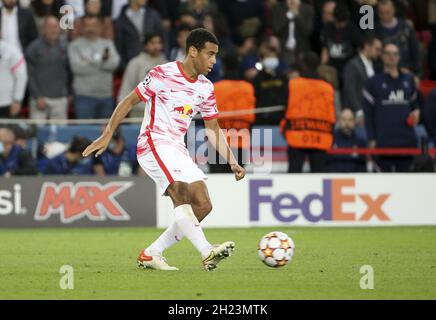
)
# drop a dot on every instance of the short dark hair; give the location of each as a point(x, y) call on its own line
point(341, 13)
point(89, 17)
point(183, 27)
point(391, 43)
point(149, 36)
point(309, 61)
point(78, 144)
point(369, 40)
point(198, 38)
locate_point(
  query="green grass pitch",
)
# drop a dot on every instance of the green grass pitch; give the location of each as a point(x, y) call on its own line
point(326, 265)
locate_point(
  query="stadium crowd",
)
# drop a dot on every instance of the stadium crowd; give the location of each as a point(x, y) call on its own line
point(377, 82)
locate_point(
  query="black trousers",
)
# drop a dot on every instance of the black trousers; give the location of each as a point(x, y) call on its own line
point(221, 166)
point(394, 164)
point(317, 160)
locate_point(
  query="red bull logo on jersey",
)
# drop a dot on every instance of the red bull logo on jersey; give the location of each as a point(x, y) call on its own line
point(74, 201)
point(185, 111)
point(287, 207)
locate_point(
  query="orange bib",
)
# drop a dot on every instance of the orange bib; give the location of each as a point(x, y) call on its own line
point(236, 95)
point(310, 115)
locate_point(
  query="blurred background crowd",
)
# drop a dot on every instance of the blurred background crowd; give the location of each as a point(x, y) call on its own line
point(381, 78)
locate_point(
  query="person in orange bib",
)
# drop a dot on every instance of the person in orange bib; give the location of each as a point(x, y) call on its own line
point(309, 118)
point(234, 94)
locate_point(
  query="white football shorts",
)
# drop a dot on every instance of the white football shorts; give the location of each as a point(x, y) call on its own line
point(166, 164)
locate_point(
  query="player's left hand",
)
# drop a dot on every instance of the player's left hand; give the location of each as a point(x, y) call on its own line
point(238, 170)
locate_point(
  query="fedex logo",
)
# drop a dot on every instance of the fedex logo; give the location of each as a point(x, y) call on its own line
point(332, 199)
point(73, 201)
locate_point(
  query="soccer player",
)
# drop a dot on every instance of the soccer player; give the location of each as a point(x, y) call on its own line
point(173, 94)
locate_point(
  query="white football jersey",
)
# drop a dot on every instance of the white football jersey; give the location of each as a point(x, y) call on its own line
point(172, 100)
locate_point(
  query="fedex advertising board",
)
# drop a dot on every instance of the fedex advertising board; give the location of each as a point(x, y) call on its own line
point(317, 200)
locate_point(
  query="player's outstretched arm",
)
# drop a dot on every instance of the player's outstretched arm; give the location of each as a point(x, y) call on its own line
point(219, 142)
point(121, 111)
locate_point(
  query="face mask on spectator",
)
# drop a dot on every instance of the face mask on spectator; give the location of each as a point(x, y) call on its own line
point(270, 63)
point(2, 148)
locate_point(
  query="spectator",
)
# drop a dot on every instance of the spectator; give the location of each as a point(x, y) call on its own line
point(116, 7)
point(328, 12)
point(233, 94)
point(196, 10)
point(47, 63)
point(391, 111)
point(246, 49)
point(43, 9)
point(292, 22)
point(93, 8)
point(178, 52)
point(22, 133)
point(78, 7)
point(14, 160)
point(324, 17)
point(345, 136)
point(340, 39)
point(330, 75)
point(17, 25)
point(216, 24)
point(251, 56)
point(93, 61)
point(135, 21)
point(116, 160)
point(13, 80)
point(310, 105)
point(169, 11)
point(271, 87)
point(70, 161)
point(245, 18)
point(357, 71)
point(139, 66)
point(391, 29)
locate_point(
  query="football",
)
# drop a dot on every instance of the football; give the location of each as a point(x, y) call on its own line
point(276, 249)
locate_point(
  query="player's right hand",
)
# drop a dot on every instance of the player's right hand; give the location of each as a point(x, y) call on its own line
point(99, 145)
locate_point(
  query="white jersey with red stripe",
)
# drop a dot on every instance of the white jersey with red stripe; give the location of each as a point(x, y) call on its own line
point(172, 100)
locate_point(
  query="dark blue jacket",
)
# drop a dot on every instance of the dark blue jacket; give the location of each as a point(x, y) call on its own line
point(111, 161)
point(387, 105)
point(403, 35)
point(60, 166)
point(347, 163)
point(18, 162)
point(128, 40)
